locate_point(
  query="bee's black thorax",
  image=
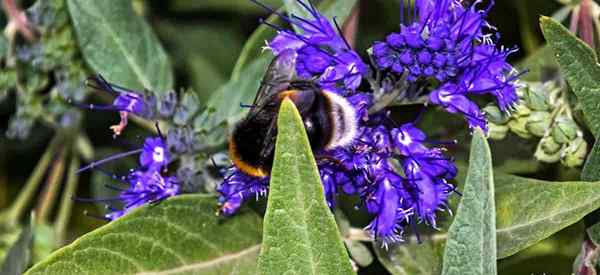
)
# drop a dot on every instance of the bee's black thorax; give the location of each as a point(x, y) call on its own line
point(253, 139)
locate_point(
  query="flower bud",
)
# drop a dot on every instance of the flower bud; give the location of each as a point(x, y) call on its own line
point(548, 150)
point(497, 132)
point(549, 146)
point(535, 96)
point(521, 110)
point(574, 155)
point(564, 130)
point(495, 116)
point(538, 123)
point(518, 127)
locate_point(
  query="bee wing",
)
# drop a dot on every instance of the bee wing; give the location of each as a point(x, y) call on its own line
point(280, 73)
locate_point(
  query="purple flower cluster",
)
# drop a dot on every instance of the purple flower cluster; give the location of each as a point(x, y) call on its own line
point(454, 45)
point(323, 54)
point(143, 185)
point(400, 180)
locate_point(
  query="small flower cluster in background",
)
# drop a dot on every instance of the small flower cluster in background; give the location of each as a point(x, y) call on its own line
point(151, 181)
point(543, 112)
point(443, 49)
point(144, 184)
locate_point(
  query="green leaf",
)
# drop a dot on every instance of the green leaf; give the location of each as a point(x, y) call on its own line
point(120, 45)
point(414, 258)
point(529, 210)
point(550, 207)
point(579, 65)
point(299, 234)
point(590, 169)
point(179, 235)
point(537, 63)
point(471, 244)
point(17, 258)
point(224, 104)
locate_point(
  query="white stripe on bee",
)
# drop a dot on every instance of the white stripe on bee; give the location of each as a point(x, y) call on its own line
point(344, 121)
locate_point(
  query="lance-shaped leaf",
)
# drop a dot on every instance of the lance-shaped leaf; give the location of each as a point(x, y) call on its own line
point(471, 244)
point(529, 210)
point(181, 235)
point(119, 44)
point(579, 65)
point(18, 256)
point(299, 234)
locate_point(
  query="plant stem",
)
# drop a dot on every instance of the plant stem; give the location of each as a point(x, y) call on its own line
point(19, 206)
point(66, 203)
point(53, 182)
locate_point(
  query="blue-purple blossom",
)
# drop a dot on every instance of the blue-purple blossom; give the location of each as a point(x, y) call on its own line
point(126, 102)
point(144, 187)
point(400, 180)
point(144, 184)
point(238, 187)
point(455, 46)
point(154, 154)
point(322, 52)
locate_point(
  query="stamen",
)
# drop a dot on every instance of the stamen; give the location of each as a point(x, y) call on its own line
point(103, 161)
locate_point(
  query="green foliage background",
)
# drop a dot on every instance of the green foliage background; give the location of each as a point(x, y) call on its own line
point(213, 48)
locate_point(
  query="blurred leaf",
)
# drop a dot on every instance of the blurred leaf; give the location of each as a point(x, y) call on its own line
point(530, 210)
point(359, 252)
point(242, 6)
point(594, 233)
point(538, 63)
point(471, 244)
point(579, 66)
point(205, 79)
point(299, 235)
point(224, 104)
point(179, 235)
point(44, 242)
point(18, 256)
point(414, 258)
point(120, 45)
point(198, 51)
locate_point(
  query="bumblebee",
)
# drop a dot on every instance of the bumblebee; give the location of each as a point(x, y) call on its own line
point(329, 119)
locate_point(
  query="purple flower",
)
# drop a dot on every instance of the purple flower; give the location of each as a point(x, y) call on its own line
point(238, 187)
point(398, 177)
point(126, 102)
point(323, 53)
point(144, 184)
point(154, 154)
point(454, 45)
point(144, 187)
